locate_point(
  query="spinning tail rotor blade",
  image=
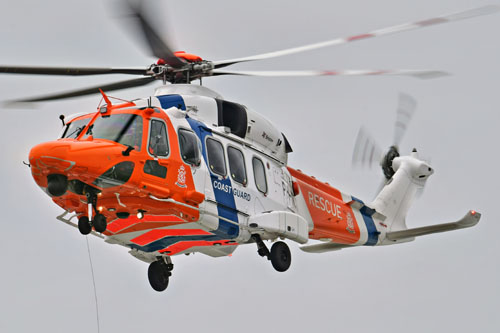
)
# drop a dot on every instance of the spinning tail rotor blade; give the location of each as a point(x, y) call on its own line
point(70, 71)
point(406, 108)
point(421, 74)
point(89, 91)
point(366, 150)
point(376, 33)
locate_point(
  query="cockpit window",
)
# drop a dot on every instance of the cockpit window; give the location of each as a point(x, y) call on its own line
point(124, 128)
point(74, 128)
point(188, 142)
point(158, 140)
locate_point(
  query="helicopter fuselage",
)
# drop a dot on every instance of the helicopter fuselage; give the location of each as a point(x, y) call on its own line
point(180, 173)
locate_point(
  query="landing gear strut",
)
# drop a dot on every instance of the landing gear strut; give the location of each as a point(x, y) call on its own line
point(98, 222)
point(159, 272)
point(279, 255)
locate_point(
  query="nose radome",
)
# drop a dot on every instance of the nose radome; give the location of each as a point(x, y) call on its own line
point(55, 164)
point(49, 165)
point(49, 152)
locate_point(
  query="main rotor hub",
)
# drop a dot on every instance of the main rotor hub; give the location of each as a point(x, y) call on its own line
point(195, 68)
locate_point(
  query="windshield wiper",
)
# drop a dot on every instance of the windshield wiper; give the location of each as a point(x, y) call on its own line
point(127, 151)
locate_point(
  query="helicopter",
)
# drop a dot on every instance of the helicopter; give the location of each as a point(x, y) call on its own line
point(186, 171)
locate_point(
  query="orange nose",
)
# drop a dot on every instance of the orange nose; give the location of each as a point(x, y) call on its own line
point(49, 166)
point(54, 162)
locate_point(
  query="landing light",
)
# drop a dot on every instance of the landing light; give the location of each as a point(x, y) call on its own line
point(140, 215)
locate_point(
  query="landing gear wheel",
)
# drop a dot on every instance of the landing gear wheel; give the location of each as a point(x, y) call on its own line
point(99, 223)
point(84, 225)
point(280, 256)
point(158, 275)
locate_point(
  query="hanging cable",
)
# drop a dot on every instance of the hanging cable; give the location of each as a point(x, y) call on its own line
point(93, 282)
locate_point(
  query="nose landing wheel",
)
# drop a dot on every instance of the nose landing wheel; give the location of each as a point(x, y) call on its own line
point(99, 223)
point(85, 225)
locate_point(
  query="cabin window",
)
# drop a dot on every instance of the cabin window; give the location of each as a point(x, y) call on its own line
point(188, 142)
point(158, 140)
point(259, 173)
point(237, 165)
point(216, 159)
point(124, 128)
point(152, 167)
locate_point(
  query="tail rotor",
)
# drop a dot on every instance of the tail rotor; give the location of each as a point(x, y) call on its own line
point(367, 151)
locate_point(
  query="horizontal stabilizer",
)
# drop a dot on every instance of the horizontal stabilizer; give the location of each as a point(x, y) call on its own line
point(469, 220)
point(324, 247)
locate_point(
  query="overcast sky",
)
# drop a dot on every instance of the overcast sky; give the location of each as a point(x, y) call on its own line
point(445, 282)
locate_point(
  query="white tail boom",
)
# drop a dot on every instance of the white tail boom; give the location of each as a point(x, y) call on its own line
point(392, 204)
point(396, 197)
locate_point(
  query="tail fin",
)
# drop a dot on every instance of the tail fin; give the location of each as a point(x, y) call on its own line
point(396, 197)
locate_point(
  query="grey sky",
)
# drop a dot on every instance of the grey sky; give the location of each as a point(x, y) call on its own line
point(445, 282)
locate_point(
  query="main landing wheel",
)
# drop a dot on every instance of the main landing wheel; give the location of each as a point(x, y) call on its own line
point(280, 256)
point(99, 223)
point(84, 225)
point(158, 275)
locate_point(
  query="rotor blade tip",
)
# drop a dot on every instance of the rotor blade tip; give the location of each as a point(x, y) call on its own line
point(431, 75)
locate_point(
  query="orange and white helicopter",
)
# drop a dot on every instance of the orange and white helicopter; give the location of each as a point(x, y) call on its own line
point(186, 171)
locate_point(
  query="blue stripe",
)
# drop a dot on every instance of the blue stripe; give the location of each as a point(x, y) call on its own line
point(226, 206)
point(367, 213)
point(167, 101)
point(167, 241)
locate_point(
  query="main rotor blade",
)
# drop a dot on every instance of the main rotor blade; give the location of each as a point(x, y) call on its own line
point(421, 74)
point(71, 71)
point(90, 91)
point(158, 47)
point(406, 108)
point(380, 32)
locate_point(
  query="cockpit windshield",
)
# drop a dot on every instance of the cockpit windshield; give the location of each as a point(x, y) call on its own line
point(74, 128)
point(124, 128)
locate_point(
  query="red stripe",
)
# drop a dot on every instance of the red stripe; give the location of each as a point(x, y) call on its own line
point(358, 37)
point(158, 234)
point(182, 246)
point(121, 224)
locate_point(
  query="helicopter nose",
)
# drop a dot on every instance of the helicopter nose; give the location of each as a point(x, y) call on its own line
point(49, 166)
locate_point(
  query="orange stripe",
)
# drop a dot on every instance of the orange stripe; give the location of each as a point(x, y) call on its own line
point(332, 218)
point(315, 183)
